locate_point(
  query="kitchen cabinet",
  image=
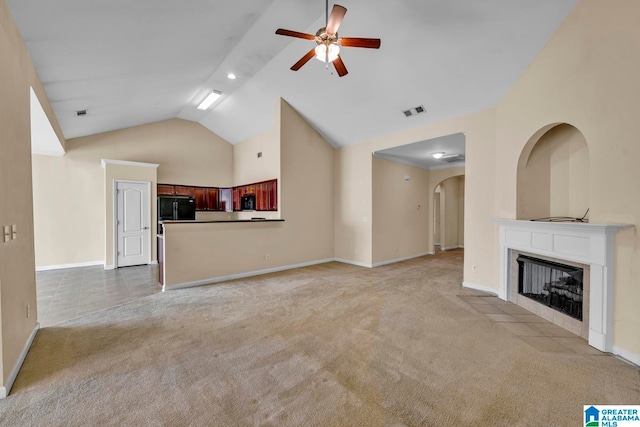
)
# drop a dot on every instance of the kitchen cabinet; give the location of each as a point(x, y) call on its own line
point(212, 199)
point(226, 199)
point(200, 194)
point(206, 198)
point(175, 190)
point(183, 190)
point(266, 195)
point(272, 195)
point(166, 190)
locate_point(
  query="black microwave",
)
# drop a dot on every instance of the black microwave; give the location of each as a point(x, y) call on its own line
point(248, 202)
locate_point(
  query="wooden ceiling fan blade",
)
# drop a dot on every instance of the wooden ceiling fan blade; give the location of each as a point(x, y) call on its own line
point(297, 34)
point(340, 68)
point(335, 19)
point(359, 42)
point(304, 60)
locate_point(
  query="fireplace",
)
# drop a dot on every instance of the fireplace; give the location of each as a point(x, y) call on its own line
point(587, 244)
point(555, 285)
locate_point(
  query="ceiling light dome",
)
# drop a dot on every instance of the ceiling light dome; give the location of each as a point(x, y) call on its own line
point(438, 155)
point(321, 52)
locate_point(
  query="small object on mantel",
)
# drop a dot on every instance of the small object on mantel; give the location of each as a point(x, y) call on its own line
point(564, 218)
point(255, 218)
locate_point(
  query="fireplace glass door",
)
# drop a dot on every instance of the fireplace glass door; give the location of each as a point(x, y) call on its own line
point(555, 285)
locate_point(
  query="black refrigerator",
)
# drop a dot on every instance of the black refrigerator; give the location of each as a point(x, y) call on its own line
point(175, 208)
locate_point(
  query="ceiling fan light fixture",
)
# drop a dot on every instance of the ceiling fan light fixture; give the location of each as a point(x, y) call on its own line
point(438, 155)
point(321, 52)
point(209, 100)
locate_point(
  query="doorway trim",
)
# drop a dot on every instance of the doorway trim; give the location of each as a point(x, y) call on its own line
point(114, 218)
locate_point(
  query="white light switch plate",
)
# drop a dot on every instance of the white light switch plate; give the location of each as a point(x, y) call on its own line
point(7, 233)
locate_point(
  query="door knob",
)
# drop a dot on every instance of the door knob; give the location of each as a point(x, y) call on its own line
point(145, 228)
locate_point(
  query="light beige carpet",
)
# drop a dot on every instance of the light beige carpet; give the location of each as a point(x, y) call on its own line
point(327, 345)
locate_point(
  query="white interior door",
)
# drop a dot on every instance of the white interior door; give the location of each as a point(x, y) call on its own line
point(133, 235)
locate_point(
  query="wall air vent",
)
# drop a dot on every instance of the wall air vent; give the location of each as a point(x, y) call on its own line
point(413, 111)
point(81, 113)
point(450, 158)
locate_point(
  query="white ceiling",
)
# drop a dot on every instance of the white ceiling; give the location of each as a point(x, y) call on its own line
point(135, 62)
point(419, 153)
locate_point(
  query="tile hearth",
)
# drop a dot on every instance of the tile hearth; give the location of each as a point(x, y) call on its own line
point(537, 332)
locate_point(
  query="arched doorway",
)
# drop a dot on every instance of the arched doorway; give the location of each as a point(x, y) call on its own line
point(448, 213)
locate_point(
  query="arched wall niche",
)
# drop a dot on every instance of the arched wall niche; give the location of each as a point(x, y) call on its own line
point(553, 174)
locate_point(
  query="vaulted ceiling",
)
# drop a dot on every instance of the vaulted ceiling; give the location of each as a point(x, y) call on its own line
point(135, 62)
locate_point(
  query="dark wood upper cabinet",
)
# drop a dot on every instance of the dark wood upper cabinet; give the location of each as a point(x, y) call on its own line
point(226, 199)
point(200, 194)
point(166, 190)
point(212, 199)
point(184, 190)
point(266, 193)
point(272, 195)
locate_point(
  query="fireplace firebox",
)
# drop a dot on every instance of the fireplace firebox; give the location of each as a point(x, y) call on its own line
point(555, 285)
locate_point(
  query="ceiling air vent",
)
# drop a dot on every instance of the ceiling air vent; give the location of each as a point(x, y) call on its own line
point(81, 113)
point(450, 158)
point(413, 111)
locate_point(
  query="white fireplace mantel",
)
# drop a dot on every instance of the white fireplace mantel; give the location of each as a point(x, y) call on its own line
point(590, 244)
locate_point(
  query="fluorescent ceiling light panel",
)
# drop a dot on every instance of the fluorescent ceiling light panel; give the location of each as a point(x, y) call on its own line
point(209, 100)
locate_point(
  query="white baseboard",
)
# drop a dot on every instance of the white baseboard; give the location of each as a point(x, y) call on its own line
point(6, 388)
point(627, 355)
point(448, 248)
point(154, 262)
point(243, 275)
point(392, 261)
point(74, 265)
point(480, 288)
point(357, 263)
point(109, 267)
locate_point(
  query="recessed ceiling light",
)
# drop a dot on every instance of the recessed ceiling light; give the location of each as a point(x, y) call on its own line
point(209, 100)
point(438, 155)
point(231, 76)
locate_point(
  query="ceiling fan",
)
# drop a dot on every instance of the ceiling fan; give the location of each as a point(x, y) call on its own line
point(328, 42)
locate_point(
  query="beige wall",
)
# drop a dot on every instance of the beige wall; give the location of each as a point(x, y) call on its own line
point(554, 180)
point(586, 76)
point(187, 154)
point(400, 216)
point(17, 265)
point(353, 201)
point(197, 252)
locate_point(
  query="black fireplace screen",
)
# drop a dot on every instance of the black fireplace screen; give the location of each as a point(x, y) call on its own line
point(555, 285)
